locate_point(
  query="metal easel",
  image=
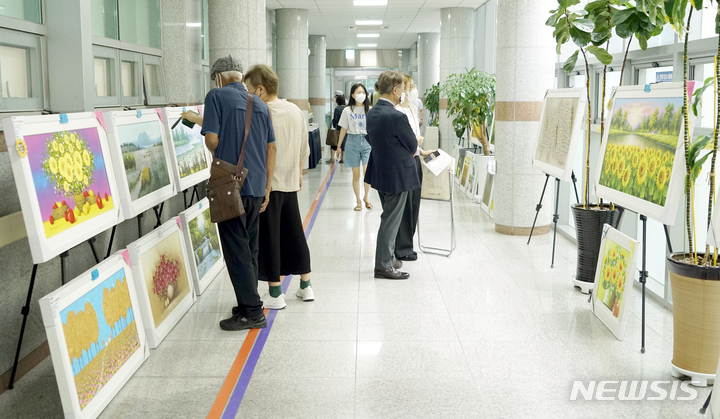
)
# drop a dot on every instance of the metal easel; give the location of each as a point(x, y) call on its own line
point(439, 250)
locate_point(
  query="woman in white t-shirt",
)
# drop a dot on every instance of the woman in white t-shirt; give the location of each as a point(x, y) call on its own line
point(353, 123)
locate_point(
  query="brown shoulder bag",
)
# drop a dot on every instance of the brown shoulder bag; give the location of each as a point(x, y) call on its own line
point(226, 180)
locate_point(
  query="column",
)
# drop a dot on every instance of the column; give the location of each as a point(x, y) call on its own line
point(69, 46)
point(182, 51)
point(237, 28)
point(317, 81)
point(526, 69)
point(428, 48)
point(456, 56)
point(292, 56)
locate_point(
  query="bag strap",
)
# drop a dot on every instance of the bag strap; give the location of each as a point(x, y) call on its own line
point(248, 120)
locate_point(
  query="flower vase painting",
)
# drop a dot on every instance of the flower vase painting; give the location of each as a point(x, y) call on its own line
point(613, 276)
point(70, 178)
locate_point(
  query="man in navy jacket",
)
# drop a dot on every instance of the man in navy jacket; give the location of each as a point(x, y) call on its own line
point(391, 169)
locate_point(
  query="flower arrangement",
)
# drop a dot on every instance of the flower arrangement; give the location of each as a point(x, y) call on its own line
point(69, 164)
point(165, 278)
point(613, 275)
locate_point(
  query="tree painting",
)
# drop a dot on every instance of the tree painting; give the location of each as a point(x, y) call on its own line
point(206, 246)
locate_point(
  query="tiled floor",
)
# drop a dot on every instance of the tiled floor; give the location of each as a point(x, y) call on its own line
point(491, 332)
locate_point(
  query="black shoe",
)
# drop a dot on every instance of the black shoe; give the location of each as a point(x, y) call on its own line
point(235, 311)
point(235, 323)
point(391, 274)
point(397, 264)
point(409, 258)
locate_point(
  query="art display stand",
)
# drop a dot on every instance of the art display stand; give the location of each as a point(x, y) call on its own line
point(438, 193)
point(556, 215)
point(643, 279)
point(194, 195)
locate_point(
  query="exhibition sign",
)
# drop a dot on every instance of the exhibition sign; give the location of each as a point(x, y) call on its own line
point(613, 277)
point(162, 278)
point(642, 163)
point(190, 158)
point(560, 130)
point(95, 335)
point(64, 178)
point(202, 242)
point(140, 151)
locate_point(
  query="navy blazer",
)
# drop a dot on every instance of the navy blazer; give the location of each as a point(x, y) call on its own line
point(391, 168)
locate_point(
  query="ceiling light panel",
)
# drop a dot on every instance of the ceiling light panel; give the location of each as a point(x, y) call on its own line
point(368, 35)
point(367, 45)
point(368, 22)
point(369, 2)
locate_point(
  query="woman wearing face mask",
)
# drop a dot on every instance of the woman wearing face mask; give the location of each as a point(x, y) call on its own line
point(357, 151)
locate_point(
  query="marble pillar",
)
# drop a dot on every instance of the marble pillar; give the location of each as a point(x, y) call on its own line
point(237, 28)
point(428, 47)
point(456, 56)
point(182, 51)
point(526, 69)
point(292, 55)
point(317, 81)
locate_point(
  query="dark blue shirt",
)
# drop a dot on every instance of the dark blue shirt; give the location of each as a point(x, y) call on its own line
point(225, 112)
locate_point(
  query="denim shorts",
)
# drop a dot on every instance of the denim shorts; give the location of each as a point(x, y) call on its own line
point(357, 150)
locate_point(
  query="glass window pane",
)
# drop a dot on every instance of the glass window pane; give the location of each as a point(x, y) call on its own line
point(14, 72)
point(154, 82)
point(104, 77)
point(612, 81)
point(205, 31)
point(104, 18)
point(129, 83)
point(655, 75)
point(575, 80)
point(708, 109)
point(709, 13)
point(140, 22)
point(667, 37)
point(22, 9)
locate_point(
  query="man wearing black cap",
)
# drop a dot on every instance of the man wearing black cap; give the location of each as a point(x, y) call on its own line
point(223, 125)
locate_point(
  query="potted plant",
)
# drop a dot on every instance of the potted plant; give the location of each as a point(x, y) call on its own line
point(591, 29)
point(471, 98)
point(432, 103)
point(695, 276)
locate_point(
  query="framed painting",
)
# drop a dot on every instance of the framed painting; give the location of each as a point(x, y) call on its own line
point(202, 242)
point(487, 203)
point(481, 167)
point(614, 276)
point(190, 158)
point(162, 278)
point(95, 335)
point(642, 158)
point(140, 151)
point(65, 180)
point(560, 130)
point(459, 155)
point(471, 185)
point(466, 169)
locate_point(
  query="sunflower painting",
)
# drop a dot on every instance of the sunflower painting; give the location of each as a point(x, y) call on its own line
point(613, 276)
point(641, 146)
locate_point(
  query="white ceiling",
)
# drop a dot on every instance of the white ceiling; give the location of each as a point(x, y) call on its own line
point(406, 19)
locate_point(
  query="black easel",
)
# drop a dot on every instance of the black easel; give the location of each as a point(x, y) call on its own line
point(158, 214)
point(643, 278)
point(194, 194)
point(139, 222)
point(556, 216)
point(112, 237)
point(538, 207)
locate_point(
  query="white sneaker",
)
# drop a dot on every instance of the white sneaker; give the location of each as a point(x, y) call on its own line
point(275, 303)
point(306, 294)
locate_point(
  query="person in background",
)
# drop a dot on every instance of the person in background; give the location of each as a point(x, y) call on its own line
point(418, 103)
point(375, 96)
point(283, 247)
point(340, 102)
point(223, 126)
point(391, 169)
point(404, 243)
point(354, 126)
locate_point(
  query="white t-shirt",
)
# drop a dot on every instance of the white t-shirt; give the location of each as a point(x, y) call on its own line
point(291, 136)
point(419, 104)
point(353, 120)
point(413, 116)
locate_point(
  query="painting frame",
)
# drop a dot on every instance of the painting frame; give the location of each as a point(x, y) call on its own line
point(487, 203)
point(666, 213)
point(580, 98)
point(51, 307)
point(471, 184)
point(17, 130)
point(615, 323)
point(115, 120)
point(137, 250)
point(200, 281)
point(467, 161)
point(170, 116)
point(482, 163)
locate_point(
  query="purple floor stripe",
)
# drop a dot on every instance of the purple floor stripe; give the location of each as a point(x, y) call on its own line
point(244, 380)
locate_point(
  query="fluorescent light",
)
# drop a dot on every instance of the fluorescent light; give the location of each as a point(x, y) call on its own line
point(350, 54)
point(193, 24)
point(370, 2)
point(368, 22)
point(368, 35)
point(367, 45)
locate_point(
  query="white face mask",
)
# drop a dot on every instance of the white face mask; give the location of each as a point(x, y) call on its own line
point(402, 97)
point(413, 95)
point(360, 98)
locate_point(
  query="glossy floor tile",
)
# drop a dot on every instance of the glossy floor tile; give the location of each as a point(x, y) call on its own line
point(490, 332)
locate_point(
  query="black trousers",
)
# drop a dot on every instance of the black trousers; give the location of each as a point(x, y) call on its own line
point(283, 247)
point(408, 224)
point(239, 240)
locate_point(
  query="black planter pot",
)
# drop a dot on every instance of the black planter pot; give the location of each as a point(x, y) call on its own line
point(589, 226)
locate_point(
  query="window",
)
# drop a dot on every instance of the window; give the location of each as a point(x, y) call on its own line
point(131, 78)
point(205, 37)
point(707, 22)
point(105, 63)
point(646, 74)
point(612, 80)
point(708, 109)
point(140, 22)
point(22, 9)
point(20, 72)
point(154, 81)
point(104, 18)
point(667, 37)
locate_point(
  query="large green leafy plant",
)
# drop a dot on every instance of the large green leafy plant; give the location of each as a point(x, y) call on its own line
point(471, 97)
point(432, 103)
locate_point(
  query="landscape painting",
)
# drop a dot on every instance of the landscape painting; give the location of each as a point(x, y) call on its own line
point(640, 151)
point(100, 335)
point(556, 130)
point(205, 243)
point(165, 276)
point(189, 149)
point(70, 178)
point(143, 157)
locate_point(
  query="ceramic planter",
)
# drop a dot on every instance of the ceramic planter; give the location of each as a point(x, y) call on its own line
point(589, 225)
